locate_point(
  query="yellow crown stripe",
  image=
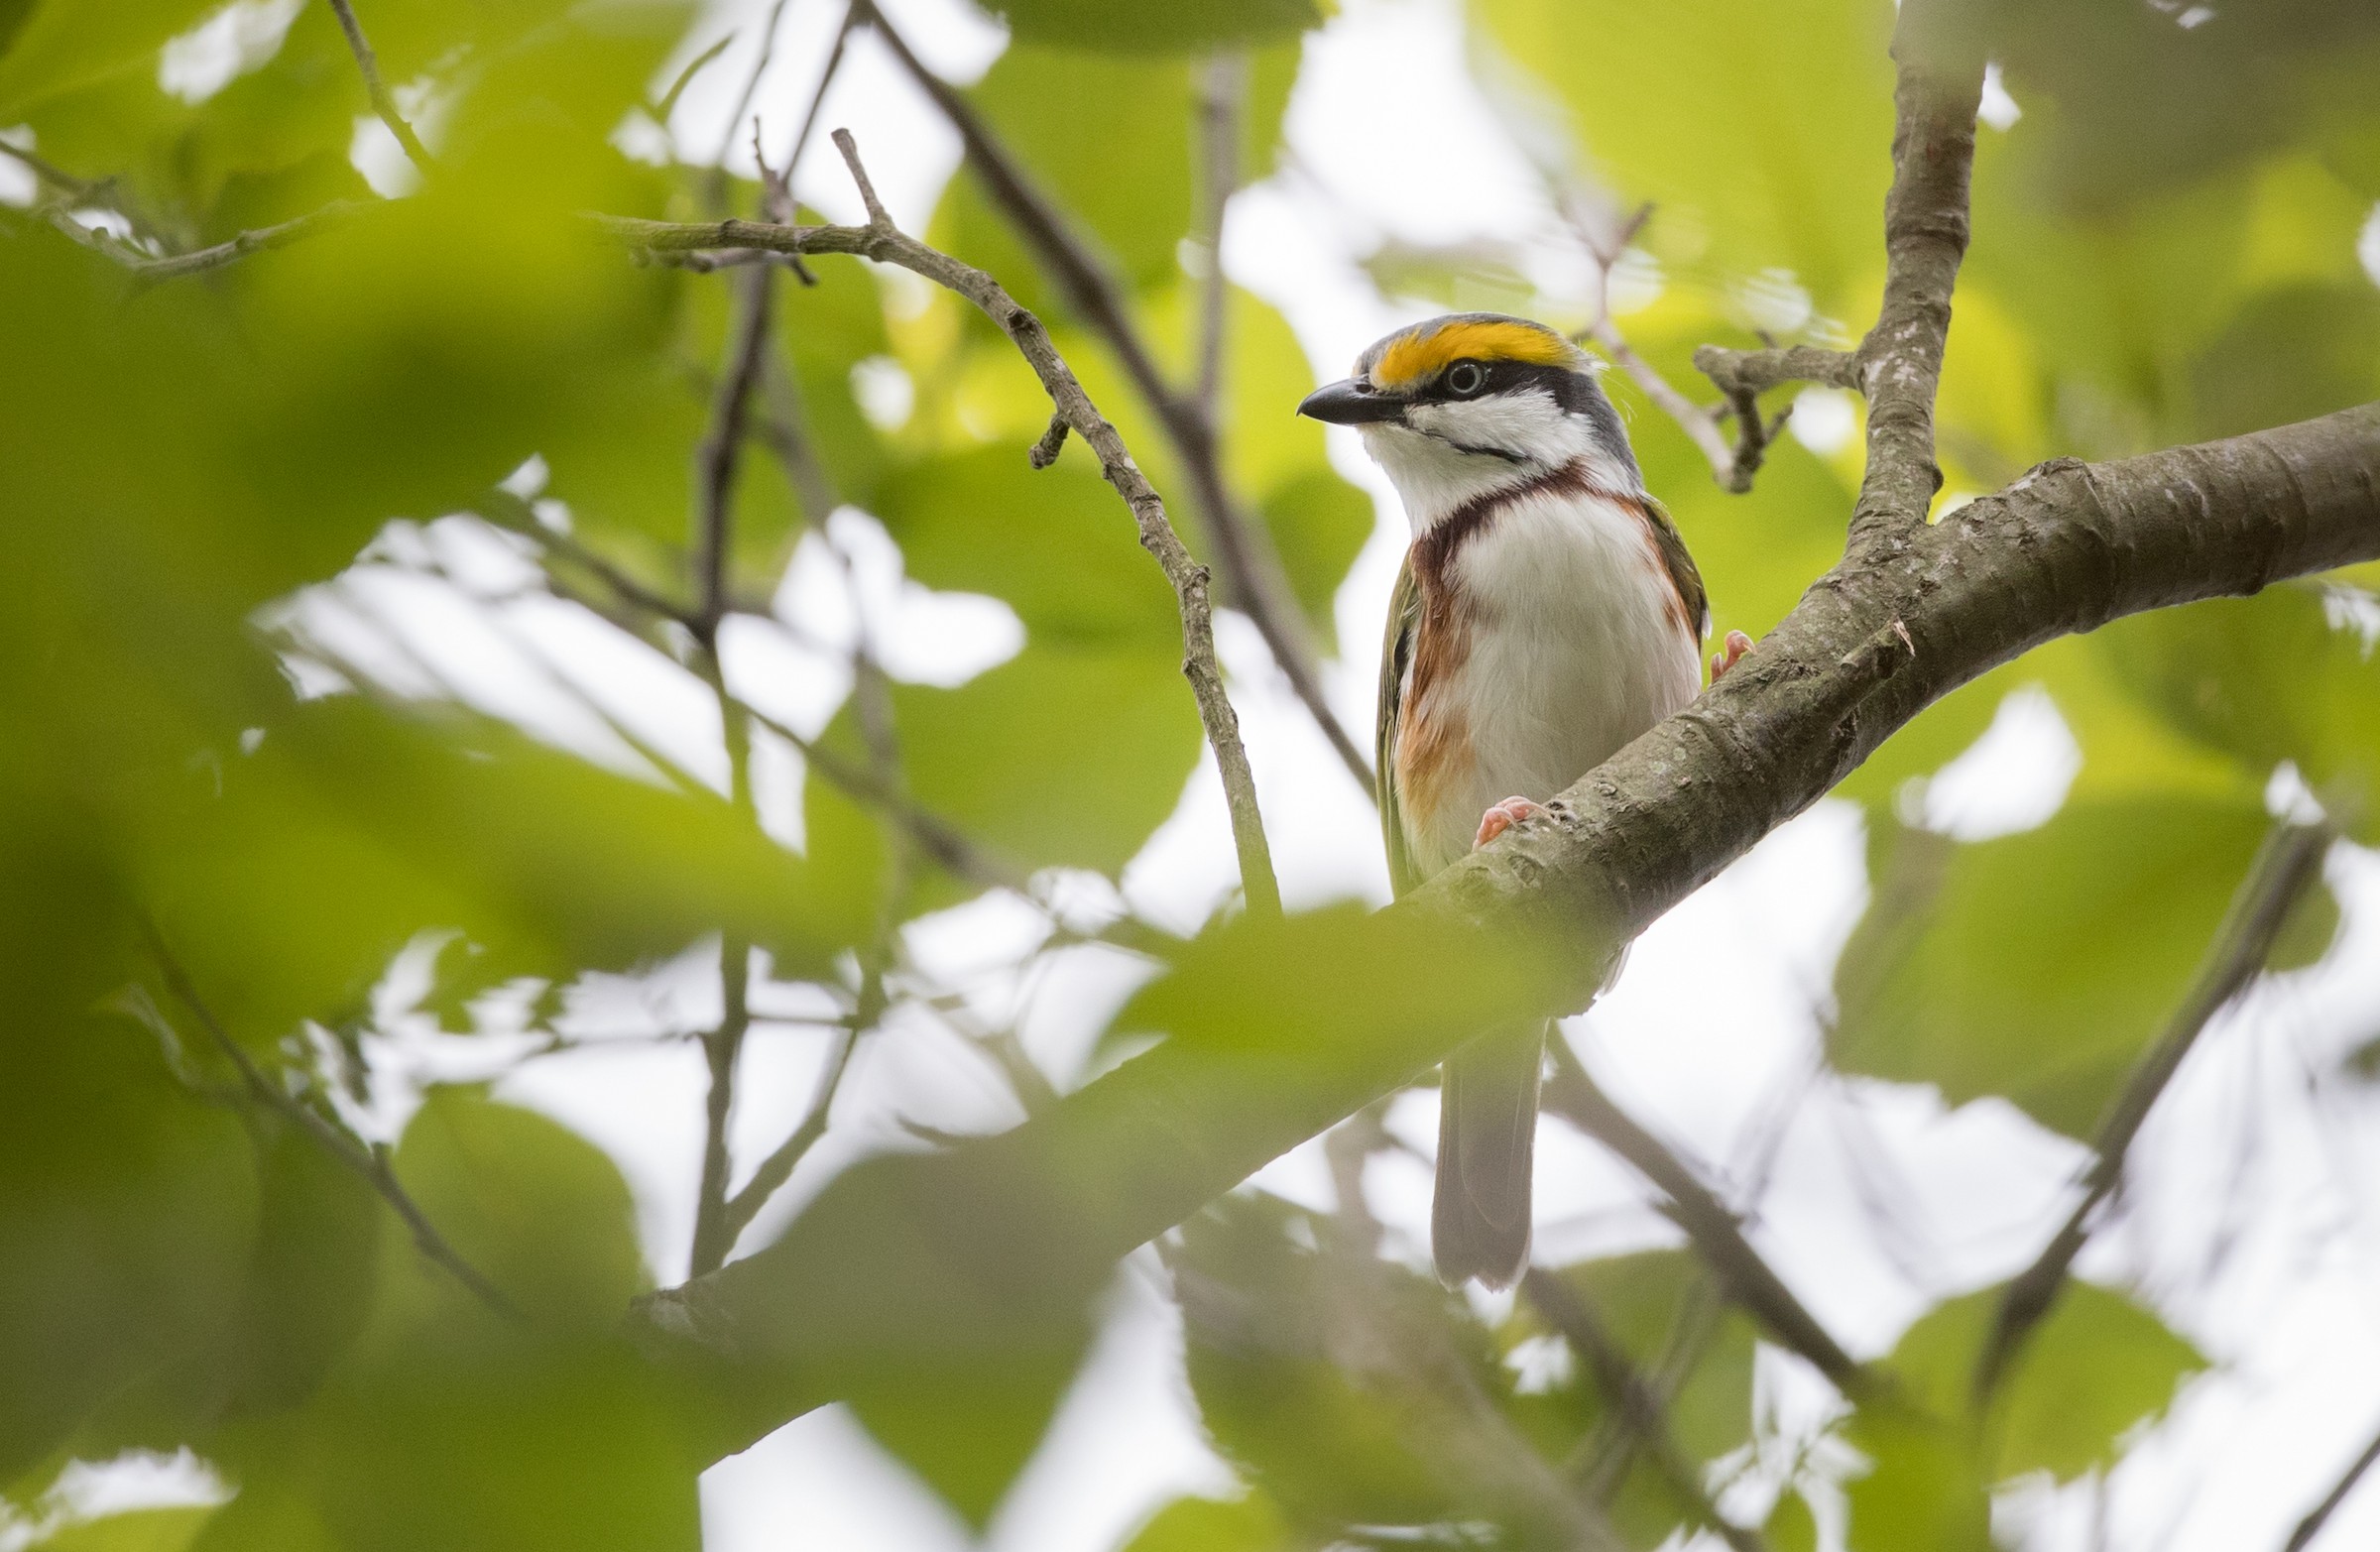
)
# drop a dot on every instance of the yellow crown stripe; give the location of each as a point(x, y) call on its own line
point(1420, 354)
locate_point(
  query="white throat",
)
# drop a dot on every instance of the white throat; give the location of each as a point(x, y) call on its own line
point(1441, 458)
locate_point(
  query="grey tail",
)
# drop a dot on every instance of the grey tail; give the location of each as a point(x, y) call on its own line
point(1487, 1149)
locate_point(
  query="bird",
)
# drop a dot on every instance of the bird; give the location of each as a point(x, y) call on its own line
point(1546, 614)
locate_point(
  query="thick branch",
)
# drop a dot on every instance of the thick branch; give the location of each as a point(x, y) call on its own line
point(2068, 548)
point(368, 64)
point(2287, 866)
point(1253, 579)
point(1924, 238)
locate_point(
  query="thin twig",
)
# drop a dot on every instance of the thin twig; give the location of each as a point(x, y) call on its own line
point(744, 96)
point(382, 103)
point(777, 1167)
point(1222, 92)
point(1709, 1224)
point(2285, 867)
point(721, 1048)
point(885, 242)
point(661, 110)
point(1255, 581)
point(171, 267)
point(55, 175)
point(1640, 1409)
point(2311, 1525)
point(722, 451)
point(371, 1163)
point(515, 515)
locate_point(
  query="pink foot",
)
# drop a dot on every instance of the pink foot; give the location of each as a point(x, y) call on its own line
point(1736, 645)
point(1503, 816)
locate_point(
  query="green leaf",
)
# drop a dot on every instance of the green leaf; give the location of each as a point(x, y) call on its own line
point(142, 1530)
point(352, 828)
point(1179, 28)
point(1318, 524)
point(2097, 1365)
point(1060, 756)
point(1251, 1523)
point(1761, 132)
point(2038, 966)
point(538, 1210)
point(65, 44)
point(2264, 679)
point(1058, 546)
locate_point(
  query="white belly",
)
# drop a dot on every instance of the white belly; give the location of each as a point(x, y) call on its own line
point(1575, 648)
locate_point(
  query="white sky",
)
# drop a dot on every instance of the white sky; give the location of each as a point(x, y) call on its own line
point(2250, 1222)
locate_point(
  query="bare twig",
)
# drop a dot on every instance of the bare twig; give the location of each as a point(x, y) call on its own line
point(777, 1167)
point(1640, 1409)
point(371, 1163)
point(1735, 372)
point(1253, 578)
point(2311, 1525)
point(2285, 867)
point(1714, 1231)
point(55, 175)
point(885, 242)
point(668, 104)
point(721, 1048)
point(721, 450)
point(744, 96)
point(382, 103)
point(1222, 92)
point(171, 267)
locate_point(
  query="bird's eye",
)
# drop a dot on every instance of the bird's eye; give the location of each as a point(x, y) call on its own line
point(1465, 378)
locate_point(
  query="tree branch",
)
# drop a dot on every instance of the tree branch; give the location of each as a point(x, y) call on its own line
point(1222, 94)
point(2285, 867)
point(2068, 548)
point(1924, 238)
point(1712, 1228)
point(383, 104)
point(1253, 579)
point(2319, 1515)
point(713, 1236)
point(885, 242)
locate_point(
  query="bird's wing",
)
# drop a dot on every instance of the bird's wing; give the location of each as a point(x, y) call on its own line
point(1396, 658)
point(1679, 564)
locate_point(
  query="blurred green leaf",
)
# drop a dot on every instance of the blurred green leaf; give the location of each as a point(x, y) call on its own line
point(1179, 28)
point(59, 45)
point(1249, 1523)
point(1761, 132)
point(141, 1530)
point(2094, 1367)
point(2281, 676)
point(1318, 524)
point(352, 828)
point(535, 1208)
point(2038, 966)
